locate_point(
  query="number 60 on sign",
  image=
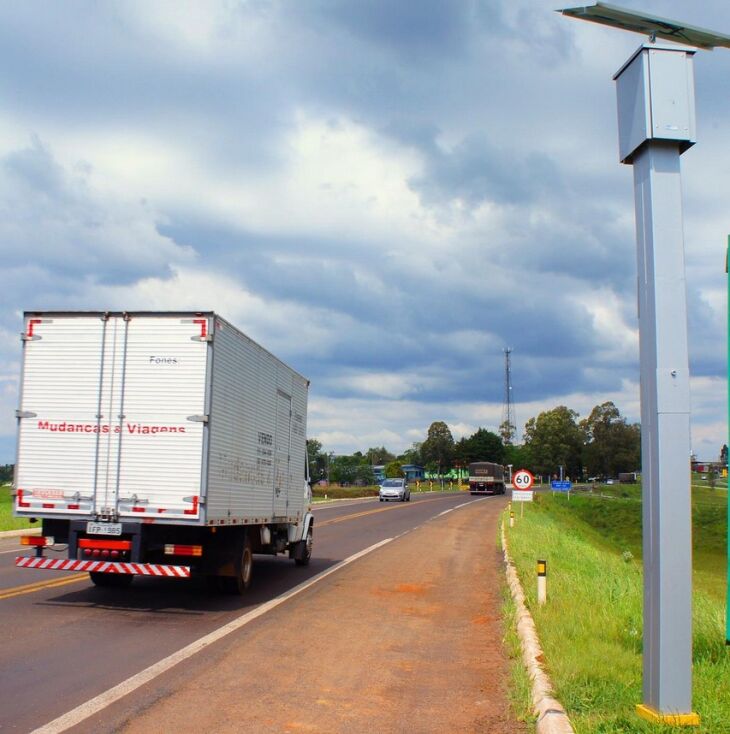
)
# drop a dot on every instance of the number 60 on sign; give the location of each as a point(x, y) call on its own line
point(523, 479)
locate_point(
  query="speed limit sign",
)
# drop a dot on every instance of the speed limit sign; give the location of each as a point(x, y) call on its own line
point(523, 479)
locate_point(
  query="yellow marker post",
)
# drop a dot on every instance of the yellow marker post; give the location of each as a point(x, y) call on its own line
point(541, 582)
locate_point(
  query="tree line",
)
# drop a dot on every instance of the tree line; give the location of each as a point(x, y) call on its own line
point(603, 444)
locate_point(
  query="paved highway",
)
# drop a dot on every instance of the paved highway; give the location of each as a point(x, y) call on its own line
point(65, 641)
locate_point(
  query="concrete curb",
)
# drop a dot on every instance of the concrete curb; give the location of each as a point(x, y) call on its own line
point(551, 716)
point(18, 533)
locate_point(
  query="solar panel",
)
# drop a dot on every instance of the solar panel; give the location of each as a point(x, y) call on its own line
point(651, 25)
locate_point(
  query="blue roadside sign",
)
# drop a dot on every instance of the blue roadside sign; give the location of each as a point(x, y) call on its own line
point(561, 486)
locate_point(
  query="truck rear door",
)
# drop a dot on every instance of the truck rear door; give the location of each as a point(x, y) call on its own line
point(112, 416)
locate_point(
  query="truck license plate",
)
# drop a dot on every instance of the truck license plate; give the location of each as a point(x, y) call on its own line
point(104, 528)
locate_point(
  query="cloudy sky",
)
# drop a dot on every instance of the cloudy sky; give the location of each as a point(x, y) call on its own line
point(384, 194)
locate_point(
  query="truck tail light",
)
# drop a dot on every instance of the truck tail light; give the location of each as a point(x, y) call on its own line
point(119, 545)
point(183, 550)
point(39, 541)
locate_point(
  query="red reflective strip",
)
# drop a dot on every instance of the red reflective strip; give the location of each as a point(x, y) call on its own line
point(20, 499)
point(141, 569)
point(161, 510)
point(31, 325)
point(194, 511)
point(203, 326)
point(106, 544)
point(48, 505)
point(73, 507)
point(138, 509)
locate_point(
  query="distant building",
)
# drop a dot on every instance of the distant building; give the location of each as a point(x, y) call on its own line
point(706, 467)
point(379, 473)
point(412, 472)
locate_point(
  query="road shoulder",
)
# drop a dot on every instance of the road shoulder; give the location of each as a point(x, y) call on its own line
point(407, 639)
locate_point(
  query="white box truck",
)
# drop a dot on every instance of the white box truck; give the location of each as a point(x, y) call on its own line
point(159, 444)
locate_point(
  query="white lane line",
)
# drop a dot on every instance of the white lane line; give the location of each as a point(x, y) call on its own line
point(471, 502)
point(96, 704)
point(17, 550)
point(456, 507)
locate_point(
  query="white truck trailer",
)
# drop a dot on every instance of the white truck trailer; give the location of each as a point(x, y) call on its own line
point(159, 444)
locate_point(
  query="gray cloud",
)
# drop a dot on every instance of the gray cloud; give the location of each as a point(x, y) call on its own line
point(51, 220)
point(506, 116)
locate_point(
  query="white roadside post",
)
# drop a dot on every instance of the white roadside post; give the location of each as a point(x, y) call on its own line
point(541, 582)
point(656, 119)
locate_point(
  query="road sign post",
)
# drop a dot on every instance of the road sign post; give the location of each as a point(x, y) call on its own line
point(522, 483)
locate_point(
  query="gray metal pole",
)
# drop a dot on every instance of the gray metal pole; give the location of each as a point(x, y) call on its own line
point(665, 431)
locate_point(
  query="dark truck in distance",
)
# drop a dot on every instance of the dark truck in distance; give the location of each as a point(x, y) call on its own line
point(485, 477)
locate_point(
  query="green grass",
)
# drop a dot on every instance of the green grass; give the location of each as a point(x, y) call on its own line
point(335, 492)
point(520, 692)
point(7, 521)
point(591, 626)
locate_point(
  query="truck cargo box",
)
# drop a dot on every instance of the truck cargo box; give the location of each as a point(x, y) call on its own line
point(174, 418)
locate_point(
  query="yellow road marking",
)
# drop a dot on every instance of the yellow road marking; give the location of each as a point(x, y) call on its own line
point(40, 585)
point(366, 512)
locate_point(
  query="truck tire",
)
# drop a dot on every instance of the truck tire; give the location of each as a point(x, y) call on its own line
point(244, 571)
point(111, 580)
point(306, 549)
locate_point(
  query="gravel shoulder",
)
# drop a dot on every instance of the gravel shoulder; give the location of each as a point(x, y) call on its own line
point(407, 639)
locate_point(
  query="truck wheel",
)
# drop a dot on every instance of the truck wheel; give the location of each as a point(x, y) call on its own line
point(115, 580)
point(306, 549)
point(244, 571)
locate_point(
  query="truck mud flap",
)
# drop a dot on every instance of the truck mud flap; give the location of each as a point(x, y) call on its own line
point(138, 569)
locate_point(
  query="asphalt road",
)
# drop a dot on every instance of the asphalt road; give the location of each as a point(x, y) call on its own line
point(65, 641)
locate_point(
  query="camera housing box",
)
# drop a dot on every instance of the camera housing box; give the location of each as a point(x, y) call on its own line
point(655, 90)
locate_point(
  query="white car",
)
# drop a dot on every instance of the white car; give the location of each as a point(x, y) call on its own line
point(395, 489)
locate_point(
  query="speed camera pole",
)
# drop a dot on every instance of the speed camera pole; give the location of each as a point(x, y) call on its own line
point(656, 124)
point(656, 118)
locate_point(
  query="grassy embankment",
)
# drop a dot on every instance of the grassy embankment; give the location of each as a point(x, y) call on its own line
point(7, 521)
point(591, 627)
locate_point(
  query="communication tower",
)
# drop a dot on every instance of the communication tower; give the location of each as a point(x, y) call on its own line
point(508, 428)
